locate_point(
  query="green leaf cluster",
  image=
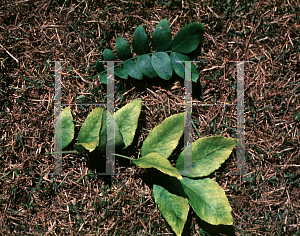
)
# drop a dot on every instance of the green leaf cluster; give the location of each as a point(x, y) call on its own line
point(167, 55)
point(93, 132)
point(188, 184)
point(204, 195)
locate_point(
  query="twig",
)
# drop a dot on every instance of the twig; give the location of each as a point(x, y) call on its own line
point(10, 54)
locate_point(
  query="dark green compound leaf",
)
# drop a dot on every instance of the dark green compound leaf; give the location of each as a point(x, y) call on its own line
point(207, 155)
point(208, 200)
point(144, 63)
point(140, 41)
point(162, 65)
point(118, 141)
point(133, 69)
point(108, 55)
point(88, 137)
point(127, 119)
point(99, 66)
point(162, 37)
point(164, 138)
point(122, 49)
point(121, 72)
point(177, 61)
point(64, 136)
point(154, 160)
point(188, 38)
point(173, 208)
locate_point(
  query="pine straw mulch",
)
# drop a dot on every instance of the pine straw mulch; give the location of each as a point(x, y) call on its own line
point(265, 201)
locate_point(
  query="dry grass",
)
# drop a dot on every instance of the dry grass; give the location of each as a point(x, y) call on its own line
point(265, 201)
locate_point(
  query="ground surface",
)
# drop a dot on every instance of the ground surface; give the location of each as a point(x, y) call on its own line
point(32, 202)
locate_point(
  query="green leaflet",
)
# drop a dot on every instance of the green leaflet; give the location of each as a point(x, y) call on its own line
point(207, 155)
point(140, 41)
point(162, 65)
point(127, 120)
point(177, 61)
point(99, 66)
point(173, 208)
point(65, 134)
point(164, 138)
point(88, 137)
point(144, 63)
point(162, 37)
point(121, 72)
point(122, 49)
point(108, 55)
point(188, 38)
point(133, 69)
point(154, 160)
point(103, 78)
point(208, 200)
point(118, 141)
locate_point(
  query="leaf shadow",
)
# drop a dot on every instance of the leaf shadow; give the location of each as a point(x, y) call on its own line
point(212, 230)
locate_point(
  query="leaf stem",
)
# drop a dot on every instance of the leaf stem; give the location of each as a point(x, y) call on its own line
point(50, 153)
point(123, 156)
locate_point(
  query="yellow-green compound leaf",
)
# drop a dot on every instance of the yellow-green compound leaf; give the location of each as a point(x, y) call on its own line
point(164, 138)
point(173, 208)
point(64, 136)
point(127, 119)
point(178, 63)
point(207, 155)
point(103, 134)
point(144, 63)
point(208, 200)
point(162, 37)
point(154, 160)
point(188, 38)
point(132, 69)
point(122, 49)
point(162, 65)
point(140, 41)
point(88, 137)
